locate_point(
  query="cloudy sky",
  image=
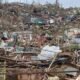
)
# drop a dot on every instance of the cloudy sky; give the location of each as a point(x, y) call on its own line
point(64, 3)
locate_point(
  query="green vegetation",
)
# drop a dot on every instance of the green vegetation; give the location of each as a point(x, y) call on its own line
point(72, 47)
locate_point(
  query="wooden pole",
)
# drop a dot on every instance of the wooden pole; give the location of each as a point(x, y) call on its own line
point(54, 57)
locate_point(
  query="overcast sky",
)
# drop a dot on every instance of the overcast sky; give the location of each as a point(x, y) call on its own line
point(64, 3)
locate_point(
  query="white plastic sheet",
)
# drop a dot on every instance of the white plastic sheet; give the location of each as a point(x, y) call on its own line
point(49, 52)
point(3, 44)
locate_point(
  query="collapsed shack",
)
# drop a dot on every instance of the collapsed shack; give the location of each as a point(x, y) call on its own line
point(40, 74)
point(37, 70)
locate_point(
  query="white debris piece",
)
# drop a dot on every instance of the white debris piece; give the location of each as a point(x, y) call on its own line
point(53, 78)
point(71, 69)
point(3, 44)
point(78, 78)
point(48, 52)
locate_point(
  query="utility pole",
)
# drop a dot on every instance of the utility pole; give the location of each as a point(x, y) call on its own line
point(57, 4)
point(33, 2)
point(46, 1)
point(20, 1)
point(17, 1)
point(6, 1)
point(26, 1)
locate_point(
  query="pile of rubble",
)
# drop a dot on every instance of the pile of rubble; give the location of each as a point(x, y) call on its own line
point(45, 39)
